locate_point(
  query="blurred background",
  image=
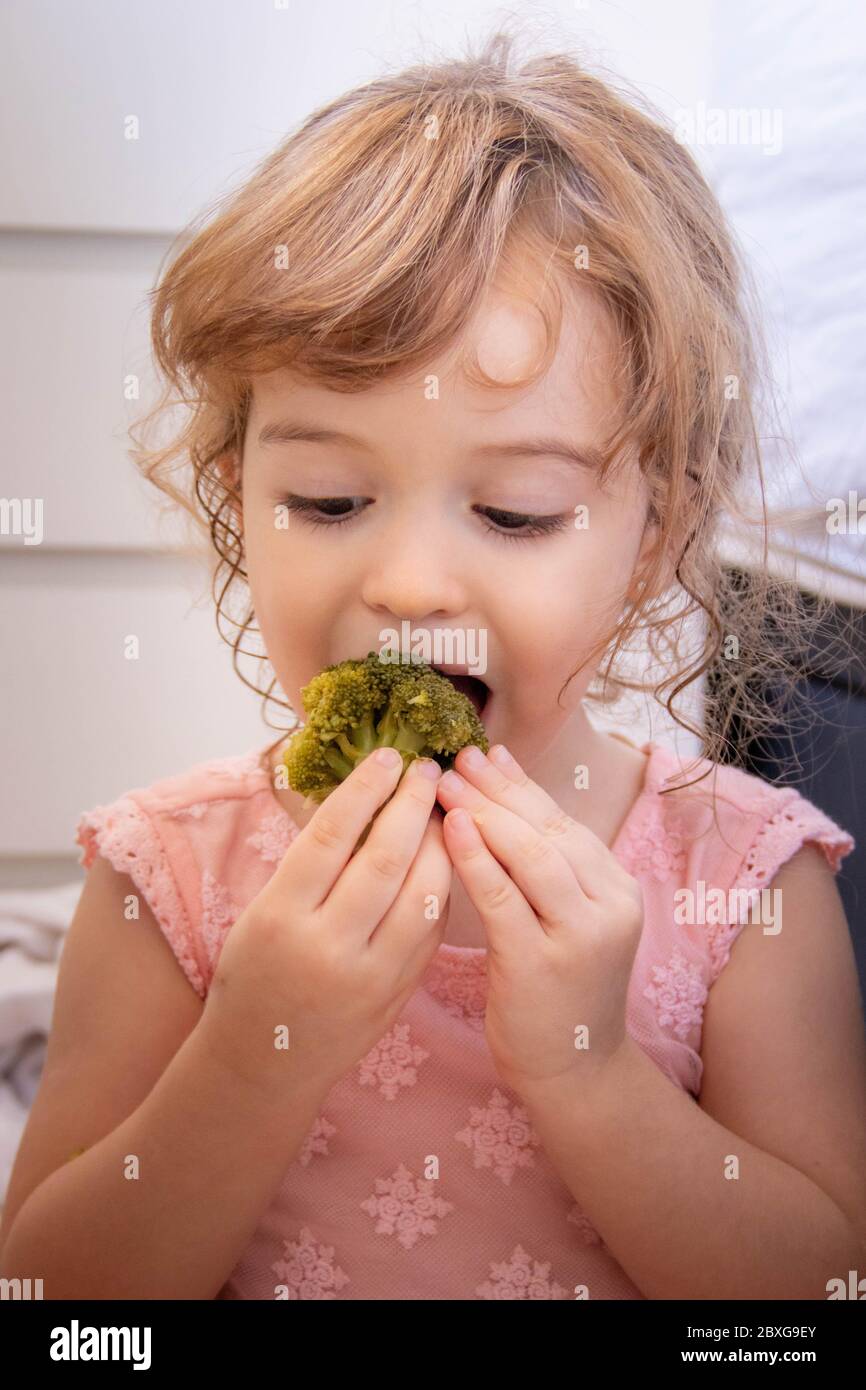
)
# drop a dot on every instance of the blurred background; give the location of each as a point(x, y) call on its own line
point(119, 123)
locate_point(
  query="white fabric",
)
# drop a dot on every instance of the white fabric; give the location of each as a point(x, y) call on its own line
point(33, 926)
point(800, 214)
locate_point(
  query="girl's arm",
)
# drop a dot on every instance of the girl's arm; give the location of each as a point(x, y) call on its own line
point(783, 1094)
point(210, 1155)
point(128, 1072)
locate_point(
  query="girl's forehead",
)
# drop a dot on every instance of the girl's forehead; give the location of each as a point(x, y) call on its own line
point(506, 337)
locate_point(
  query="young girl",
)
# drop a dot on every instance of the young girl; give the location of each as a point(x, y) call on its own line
point(461, 355)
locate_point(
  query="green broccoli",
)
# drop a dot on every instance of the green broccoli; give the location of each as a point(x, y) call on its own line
point(354, 707)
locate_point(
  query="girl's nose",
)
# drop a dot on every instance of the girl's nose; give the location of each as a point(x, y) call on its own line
point(415, 576)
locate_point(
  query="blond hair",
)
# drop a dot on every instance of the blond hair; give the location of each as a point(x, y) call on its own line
point(361, 245)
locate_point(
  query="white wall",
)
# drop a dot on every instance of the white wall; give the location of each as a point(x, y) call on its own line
point(85, 218)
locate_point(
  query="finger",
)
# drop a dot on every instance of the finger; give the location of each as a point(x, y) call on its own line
point(511, 838)
point(371, 881)
point(544, 877)
point(508, 786)
point(320, 852)
point(496, 897)
point(413, 926)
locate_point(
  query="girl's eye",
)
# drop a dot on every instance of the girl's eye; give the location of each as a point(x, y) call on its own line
point(308, 506)
point(519, 526)
point(509, 525)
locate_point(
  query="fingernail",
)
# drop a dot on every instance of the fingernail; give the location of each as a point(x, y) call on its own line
point(452, 782)
point(500, 755)
point(426, 767)
point(473, 757)
point(388, 757)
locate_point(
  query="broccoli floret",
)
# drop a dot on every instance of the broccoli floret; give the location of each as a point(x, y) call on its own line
point(354, 707)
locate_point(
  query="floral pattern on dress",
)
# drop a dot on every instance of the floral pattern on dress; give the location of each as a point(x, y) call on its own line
point(218, 915)
point(500, 1137)
point(392, 1063)
point(457, 977)
point(406, 1207)
point(316, 1141)
point(520, 1276)
point(308, 1269)
point(654, 843)
point(274, 835)
point(678, 993)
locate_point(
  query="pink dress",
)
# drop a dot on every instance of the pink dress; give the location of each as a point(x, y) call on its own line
point(356, 1215)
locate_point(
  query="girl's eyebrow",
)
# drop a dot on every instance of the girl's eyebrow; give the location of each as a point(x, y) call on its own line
point(288, 431)
point(578, 455)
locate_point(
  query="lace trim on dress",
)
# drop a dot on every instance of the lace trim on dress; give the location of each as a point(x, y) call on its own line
point(124, 834)
point(777, 840)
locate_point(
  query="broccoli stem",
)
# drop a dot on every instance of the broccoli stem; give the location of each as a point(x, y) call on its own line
point(392, 731)
point(363, 738)
point(360, 741)
point(341, 765)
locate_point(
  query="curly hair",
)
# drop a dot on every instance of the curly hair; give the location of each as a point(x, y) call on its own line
point(361, 246)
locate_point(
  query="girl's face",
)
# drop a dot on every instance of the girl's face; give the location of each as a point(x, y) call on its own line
point(417, 474)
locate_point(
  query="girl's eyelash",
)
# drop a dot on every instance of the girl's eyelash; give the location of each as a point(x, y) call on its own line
point(532, 526)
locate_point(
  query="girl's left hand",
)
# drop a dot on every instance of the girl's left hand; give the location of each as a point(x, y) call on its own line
point(563, 922)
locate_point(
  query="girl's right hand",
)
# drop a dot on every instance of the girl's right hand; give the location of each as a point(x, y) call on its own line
point(335, 943)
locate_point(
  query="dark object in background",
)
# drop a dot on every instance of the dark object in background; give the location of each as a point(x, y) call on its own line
point(819, 747)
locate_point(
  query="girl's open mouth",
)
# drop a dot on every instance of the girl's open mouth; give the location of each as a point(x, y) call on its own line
point(473, 687)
